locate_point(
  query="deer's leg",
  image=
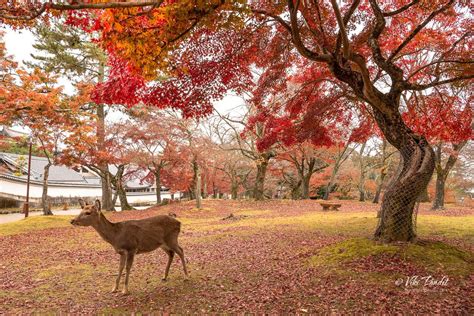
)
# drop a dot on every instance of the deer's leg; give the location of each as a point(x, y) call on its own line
point(123, 257)
point(170, 259)
point(130, 257)
point(180, 253)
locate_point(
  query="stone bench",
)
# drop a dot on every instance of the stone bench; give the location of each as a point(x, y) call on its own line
point(330, 206)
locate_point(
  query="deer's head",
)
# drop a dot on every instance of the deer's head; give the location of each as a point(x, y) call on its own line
point(90, 214)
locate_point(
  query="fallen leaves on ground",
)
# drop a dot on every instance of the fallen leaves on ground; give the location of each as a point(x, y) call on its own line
point(260, 263)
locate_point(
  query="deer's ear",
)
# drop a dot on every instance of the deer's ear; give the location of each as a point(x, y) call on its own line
point(82, 203)
point(97, 205)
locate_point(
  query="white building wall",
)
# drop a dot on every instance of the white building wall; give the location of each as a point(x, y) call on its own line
point(16, 188)
point(138, 197)
point(19, 188)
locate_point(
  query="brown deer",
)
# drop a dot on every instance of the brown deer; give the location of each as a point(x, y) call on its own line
point(134, 237)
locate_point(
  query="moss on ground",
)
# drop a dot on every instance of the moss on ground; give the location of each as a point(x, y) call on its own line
point(432, 256)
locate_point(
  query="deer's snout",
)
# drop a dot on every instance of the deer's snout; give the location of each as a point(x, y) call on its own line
point(73, 221)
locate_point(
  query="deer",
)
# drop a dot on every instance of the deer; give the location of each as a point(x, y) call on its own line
point(133, 237)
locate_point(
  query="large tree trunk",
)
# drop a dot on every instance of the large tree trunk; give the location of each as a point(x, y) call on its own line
point(124, 205)
point(438, 203)
point(378, 190)
point(305, 186)
point(107, 193)
point(107, 201)
point(234, 187)
point(117, 182)
point(258, 191)
point(417, 164)
point(122, 194)
point(44, 198)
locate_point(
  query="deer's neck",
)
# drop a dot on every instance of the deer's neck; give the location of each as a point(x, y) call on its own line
point(106, 229)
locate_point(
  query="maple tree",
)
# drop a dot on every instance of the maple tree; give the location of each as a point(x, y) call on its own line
point(193, 154)
point(248, 135)
point(153, 138)
point(119, 159)
point(235, 168)
point(307, 160)
point(34, 100)
point(363, 48)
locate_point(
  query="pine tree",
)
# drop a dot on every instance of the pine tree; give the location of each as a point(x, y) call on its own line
point(70, 52)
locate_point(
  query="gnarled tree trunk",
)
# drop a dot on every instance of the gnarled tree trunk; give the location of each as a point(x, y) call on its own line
point(107, 203)
point(417, 165)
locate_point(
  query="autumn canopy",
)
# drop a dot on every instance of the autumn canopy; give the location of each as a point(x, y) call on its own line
point(399, 64)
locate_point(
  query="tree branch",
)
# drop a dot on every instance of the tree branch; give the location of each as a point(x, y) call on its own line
point(346, 19)
point(419, 87)
point(419, 28)
point(404, 8)
point(296, 37)
point(395, 73)
point(346, 50)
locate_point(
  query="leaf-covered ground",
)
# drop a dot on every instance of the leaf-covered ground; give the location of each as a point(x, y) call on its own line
point(285, 256)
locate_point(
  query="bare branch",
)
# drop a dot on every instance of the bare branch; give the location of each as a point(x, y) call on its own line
point(404, 8)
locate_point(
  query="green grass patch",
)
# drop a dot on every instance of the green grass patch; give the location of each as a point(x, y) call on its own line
point(447, 226)
point(435, 257)
point(34, 223)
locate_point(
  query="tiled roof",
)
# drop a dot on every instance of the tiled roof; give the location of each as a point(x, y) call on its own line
point(56, 173)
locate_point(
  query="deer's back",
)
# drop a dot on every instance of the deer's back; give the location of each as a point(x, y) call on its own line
point(147, 234)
